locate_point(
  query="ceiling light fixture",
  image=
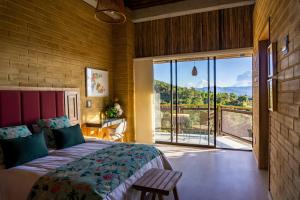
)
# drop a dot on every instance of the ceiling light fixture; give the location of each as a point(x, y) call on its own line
point(111, 11)
point(194, 71)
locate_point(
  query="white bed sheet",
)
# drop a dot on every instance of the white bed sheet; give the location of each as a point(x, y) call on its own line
point(16, 183)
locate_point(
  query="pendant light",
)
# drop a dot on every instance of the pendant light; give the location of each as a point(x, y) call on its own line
point(111, 11)
point(194, 71)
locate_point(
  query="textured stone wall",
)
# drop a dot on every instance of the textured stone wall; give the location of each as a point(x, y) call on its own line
point(285, 122)
point(123, 72)
point(50, 43)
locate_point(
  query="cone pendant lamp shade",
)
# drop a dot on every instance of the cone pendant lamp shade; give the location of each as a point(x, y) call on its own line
point(111, 11)
point(194, 71)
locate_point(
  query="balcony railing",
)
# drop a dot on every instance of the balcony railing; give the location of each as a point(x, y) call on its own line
point(235, 121)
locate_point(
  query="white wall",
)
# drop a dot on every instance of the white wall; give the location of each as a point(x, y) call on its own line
point(143, 86)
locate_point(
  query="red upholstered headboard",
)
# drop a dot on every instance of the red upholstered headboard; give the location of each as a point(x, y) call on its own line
point(25, 105)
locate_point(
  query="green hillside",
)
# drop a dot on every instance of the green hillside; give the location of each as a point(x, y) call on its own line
point(196, 97)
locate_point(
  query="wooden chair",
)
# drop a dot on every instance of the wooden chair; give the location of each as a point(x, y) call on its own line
point(117, 133)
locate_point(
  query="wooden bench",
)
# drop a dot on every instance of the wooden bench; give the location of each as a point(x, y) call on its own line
point(158, 182)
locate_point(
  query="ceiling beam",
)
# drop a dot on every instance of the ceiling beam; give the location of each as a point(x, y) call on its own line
point(139, 4)
point(240, 52)
point(180, 8)
point(185, 8)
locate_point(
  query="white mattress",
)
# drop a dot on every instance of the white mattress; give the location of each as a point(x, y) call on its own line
point(16, 183)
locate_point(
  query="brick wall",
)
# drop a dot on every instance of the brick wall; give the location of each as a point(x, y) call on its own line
point(123, 72)
point(285, 122)
point(49, 43)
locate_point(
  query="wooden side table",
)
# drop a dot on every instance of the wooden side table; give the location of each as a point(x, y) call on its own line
point(158, 182)
point(102, 129)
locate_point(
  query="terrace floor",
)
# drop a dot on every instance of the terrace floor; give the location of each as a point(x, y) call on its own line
point(222, 141)
point(216, 174)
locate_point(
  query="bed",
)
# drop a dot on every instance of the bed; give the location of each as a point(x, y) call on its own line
point(94, 169)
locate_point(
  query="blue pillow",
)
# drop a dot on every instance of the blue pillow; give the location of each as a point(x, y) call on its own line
point(67, 137)
point(20, 150)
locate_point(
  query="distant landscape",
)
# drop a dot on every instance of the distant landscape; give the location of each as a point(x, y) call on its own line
point(231, 96)
point(246, 90)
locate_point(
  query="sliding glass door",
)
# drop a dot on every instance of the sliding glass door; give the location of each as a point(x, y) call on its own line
point(206, 102)
point(234, 102)
point(163, 102)
point(184, 102)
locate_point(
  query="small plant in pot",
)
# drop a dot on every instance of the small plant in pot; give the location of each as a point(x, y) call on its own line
point(113, 110)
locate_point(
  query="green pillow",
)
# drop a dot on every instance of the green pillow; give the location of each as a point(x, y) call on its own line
point(10, 133)
point(18, 151)
point(67, 137)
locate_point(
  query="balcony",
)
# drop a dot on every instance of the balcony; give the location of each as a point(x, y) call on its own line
point(194, 126)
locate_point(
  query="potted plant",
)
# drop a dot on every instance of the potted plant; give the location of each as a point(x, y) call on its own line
point(114, 110)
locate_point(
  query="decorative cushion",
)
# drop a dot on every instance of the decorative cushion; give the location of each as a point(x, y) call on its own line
point(12, 132)
point(67, 137)
point(47, 125)
point(54, 123)
point(20, 150)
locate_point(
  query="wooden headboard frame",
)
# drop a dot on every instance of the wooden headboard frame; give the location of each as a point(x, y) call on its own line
point(71, 99)
point(72, 105)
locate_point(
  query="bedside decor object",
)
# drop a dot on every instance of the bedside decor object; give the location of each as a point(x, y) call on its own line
point(96, 83)
point(272, 59)
point(102, 116)
point(113, 110)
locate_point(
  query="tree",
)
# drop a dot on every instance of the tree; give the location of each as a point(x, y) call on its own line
point(192, 96)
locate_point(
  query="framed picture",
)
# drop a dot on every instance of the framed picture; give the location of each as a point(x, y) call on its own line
point(96, 83)
point(272, 94)
point(272, 59)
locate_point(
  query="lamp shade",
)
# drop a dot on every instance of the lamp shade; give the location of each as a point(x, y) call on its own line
point(194, 71)
point(111, 11)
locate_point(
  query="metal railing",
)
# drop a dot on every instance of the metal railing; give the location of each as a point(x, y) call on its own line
point(235, 121)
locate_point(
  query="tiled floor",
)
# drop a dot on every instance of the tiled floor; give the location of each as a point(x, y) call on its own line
point(210, 174)
point(221, 141)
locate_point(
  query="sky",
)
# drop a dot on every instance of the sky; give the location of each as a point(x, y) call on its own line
point(231, 72)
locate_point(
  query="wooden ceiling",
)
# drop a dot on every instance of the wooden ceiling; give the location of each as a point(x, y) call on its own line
point(138, 4)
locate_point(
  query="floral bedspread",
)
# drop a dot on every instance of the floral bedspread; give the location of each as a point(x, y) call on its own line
point(96, 175)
